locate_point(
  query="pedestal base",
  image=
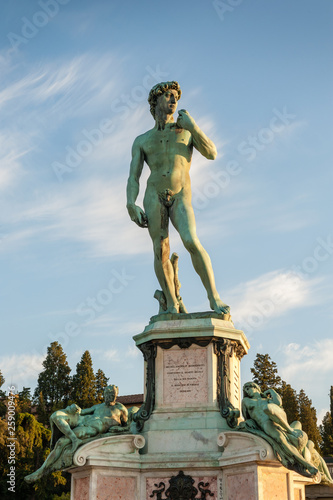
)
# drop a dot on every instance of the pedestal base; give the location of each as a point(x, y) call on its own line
point(184, 447)
point(244, 468)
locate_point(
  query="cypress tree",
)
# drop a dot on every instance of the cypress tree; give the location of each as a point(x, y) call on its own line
point(289, 402)
point(326, 430)
point(265, 373)
point(308, 418)
point(101, 383)
point(54, 381)
point(84, 382)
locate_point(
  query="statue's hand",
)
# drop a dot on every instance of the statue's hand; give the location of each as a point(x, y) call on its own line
point(185, 120)
point(73, 409)
point(137, 215)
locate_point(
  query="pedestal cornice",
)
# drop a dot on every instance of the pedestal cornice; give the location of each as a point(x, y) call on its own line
point(203, 325)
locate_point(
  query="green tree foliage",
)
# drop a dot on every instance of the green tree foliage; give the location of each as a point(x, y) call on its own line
point(3, 458)
point(32, 433)
point(101, 383)
point(64, 496)
point(308, 418)
point(265, 373)
point(31, 449)
point(24, 401)
point(84, 382)
point(289, 401)
point(54, 381)
point(326, 430)
point(3, 407)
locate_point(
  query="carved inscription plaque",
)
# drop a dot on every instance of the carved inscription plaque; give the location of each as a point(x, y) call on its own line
point(185, 376)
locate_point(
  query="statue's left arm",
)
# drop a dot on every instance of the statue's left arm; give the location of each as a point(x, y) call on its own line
point(124, 416)
point(273, 396)
point(200, 141)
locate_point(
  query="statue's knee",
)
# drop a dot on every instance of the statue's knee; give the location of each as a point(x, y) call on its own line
point(162, 249)
point(191, 244)
point(54, 417)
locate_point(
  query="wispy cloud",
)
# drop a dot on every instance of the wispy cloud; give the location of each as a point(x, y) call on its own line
point(13, 147)
point(93, 213)
point(64, 86)
point(19, 369)
point(270, 295)
point(36, 104)
point(309, 367)
point(304, 359)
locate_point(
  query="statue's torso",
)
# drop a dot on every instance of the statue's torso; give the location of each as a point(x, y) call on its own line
point(255, 408)
point(105, 415)
point(168, 154)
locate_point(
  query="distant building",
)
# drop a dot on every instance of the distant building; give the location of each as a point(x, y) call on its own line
point(131, 400)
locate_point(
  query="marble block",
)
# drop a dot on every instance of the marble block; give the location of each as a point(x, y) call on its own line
point(185, 376)
point(251, 471)
point(108, 469)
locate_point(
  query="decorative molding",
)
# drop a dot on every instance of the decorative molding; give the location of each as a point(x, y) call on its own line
point(149, 351)
point(184, 343)
point(242, 445)
point(240, 351)
point(224, 350)
point(106, 447)
point(181, 487)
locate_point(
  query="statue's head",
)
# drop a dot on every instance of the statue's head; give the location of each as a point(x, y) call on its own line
point(110, 393)
point(160, 89)
point(249, 387)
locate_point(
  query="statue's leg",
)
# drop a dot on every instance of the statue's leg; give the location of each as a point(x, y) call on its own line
point(158, 227)
point(65, 428)
point(182, 217)
point(50, 460)
point(87, 431)
point(278, 415)
point(270, 428)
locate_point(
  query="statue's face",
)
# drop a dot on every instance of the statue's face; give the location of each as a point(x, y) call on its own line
point(250, 389)
point(167, 102)
point(110, 394)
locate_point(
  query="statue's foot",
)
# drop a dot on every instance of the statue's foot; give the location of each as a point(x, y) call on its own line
point(219, 307)
point(172, 310)
point(31, 478)
point(75, 444)
point(313, 471)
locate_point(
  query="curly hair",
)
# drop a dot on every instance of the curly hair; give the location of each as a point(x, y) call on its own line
point(113, 388)
point(250, 384)
point(160, 89)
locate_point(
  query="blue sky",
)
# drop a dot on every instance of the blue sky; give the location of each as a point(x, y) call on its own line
point(257, 77)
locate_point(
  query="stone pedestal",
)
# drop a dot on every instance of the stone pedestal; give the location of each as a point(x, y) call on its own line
point(182, 437)
point(192, 382)
point(107, 469)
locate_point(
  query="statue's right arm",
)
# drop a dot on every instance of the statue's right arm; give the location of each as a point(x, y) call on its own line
point(136, 213)
point(88, 411)
point(245, 413)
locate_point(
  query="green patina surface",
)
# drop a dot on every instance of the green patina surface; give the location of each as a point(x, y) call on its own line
point(167, 149)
